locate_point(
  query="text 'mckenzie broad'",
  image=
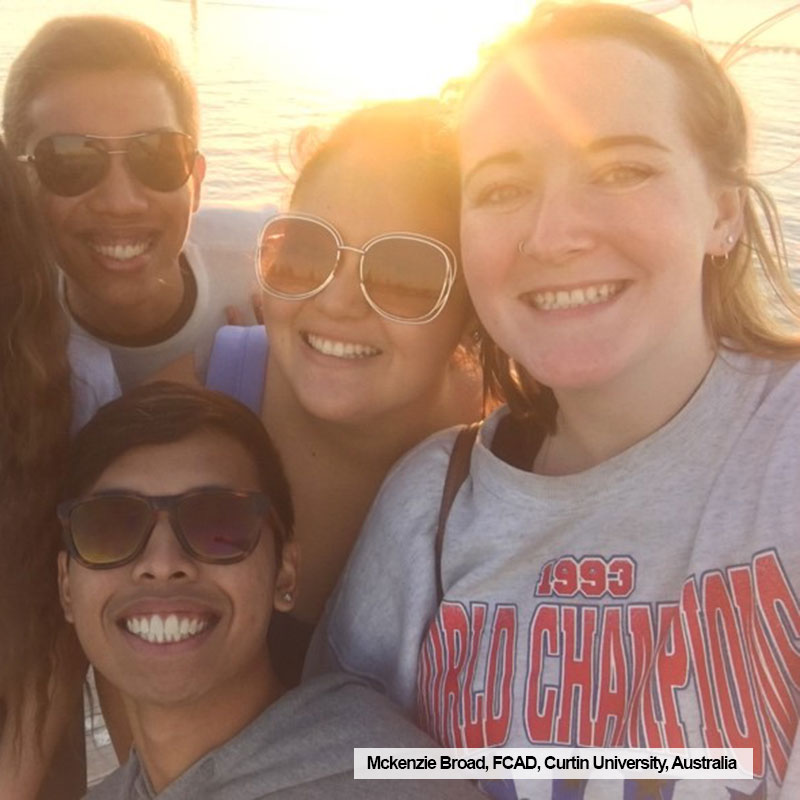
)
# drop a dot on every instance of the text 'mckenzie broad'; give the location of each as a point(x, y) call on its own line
point(586, 763)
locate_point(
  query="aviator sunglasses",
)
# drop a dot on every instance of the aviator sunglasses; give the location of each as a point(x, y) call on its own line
point(405, 277)
point(217, 526)
point(70, 164)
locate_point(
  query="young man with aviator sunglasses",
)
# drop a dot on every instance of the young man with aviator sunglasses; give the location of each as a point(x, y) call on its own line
point(178, 547)
point(104, 119)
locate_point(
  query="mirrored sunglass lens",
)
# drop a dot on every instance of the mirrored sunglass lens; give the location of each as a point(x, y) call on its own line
point(69, 165)
point(405, 277)
point(162, 161)
point(295, 256)
point(109, 529)
point(219, 526)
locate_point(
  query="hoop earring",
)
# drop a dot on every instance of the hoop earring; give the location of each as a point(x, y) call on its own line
point(719, 262)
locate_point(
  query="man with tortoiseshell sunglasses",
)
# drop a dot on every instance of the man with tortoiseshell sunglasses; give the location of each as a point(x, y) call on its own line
point(178, 548)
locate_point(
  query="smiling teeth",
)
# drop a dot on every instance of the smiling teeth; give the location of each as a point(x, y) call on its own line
point(121, 252)
point(575, 298)
point(329, 347)
point(160, 630)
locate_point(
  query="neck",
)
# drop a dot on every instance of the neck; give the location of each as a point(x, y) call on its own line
point(376, 440)
point(598, 423)
point(110, 320)
point(335, 469)
point(169, 738)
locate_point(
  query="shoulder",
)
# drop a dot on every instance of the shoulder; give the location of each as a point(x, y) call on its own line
point(776, 379)
point(326, 716)
point(783, 386)
point(120, 784)
point(229, 226)
point(302, 746)
point(349, 714)
point(413, 487)
point(345, 710)
point(415, 481)
point(761, 473)
point(374, 622)
point(237, 363)
point(775, 390)
point(402, 518)
point(94, 380)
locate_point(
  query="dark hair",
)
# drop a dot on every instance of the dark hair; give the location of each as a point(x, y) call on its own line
point(68, 45)
point(164, 412)
point(414, 135)
point(739, 307)
point(35, 410)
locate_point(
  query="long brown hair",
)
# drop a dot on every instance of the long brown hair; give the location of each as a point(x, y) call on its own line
point(35, 409)
point(749, 302)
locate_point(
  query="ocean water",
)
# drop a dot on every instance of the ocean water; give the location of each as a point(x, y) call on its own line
point(265, 70)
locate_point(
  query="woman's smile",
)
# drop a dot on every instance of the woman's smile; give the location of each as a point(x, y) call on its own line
point(336, 348)
point(563, 298)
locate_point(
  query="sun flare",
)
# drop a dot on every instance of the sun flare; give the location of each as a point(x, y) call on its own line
point(406, 49)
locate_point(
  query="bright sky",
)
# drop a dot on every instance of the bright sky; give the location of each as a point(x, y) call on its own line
point(383, 48)
point(389, 47)
point(373, 48)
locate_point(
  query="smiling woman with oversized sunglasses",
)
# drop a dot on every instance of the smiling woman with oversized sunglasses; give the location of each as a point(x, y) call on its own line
point(405, 277)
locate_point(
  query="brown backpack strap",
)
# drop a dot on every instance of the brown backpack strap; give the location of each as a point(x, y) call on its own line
point(457, 471)
point(515, 441)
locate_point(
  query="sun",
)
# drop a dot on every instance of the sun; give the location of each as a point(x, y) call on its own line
point(394, 50)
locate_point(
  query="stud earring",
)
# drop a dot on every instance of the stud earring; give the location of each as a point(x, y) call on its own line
point(730, 239)
point(286, 597)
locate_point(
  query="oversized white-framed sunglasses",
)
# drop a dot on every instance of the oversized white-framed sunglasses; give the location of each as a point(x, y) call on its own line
point(404, 277)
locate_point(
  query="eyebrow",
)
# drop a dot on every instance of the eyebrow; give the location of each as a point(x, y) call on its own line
point(598, 145)
point(506, 157)
point(607, 142)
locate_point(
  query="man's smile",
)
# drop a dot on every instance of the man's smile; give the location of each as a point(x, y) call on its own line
point(164, 629)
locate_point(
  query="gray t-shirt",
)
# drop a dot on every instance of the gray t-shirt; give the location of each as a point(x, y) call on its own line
point(649, 601)
point(300, 748)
